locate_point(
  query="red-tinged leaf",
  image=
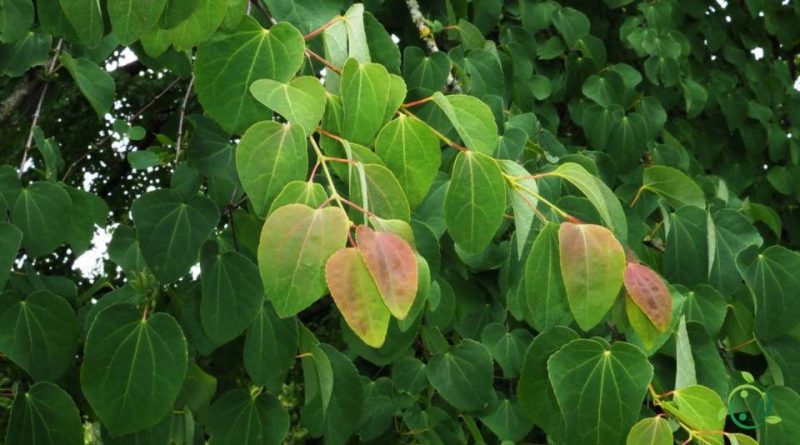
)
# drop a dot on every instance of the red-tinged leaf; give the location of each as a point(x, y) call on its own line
point(649, 292)
point(296, 241)
point(592, 264)
point(357, 297)
point(393, 266)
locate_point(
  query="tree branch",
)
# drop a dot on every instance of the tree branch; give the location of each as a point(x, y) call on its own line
point(38, 111)
point(181, 119)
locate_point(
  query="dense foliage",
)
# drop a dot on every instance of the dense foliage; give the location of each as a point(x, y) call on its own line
point(460, 221)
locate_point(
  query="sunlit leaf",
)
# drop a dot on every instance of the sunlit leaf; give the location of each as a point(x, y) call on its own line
point(296, 242)
point(393, 267)
point(301, 100)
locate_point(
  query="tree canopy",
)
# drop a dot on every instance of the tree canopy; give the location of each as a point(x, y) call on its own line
point(442, 222)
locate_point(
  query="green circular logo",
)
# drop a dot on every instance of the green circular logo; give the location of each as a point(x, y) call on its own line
point(756, 403)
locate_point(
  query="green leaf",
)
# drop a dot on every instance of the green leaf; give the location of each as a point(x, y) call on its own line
point(592, 265)
point(45, 415)
point(33, 49)
point(734, 233)
point(601, 197)
point(305, 15)
point(534, 391)
point(507, 348)
point(701, 409)
point(605, 90)
point(410, 149)
point(685, 372)
point(421, 70)
point(296, 242)
point(695, 97)
point(674, 186)
point(131, 18)
point(240, 418)
point(41, 211)
point(226, 67)
point(232, 292)
point(784, 402)
point(299, 192)
point(86, 19)
point(357, 297)
point(317, 379)
point(572, 24)
point(357, 46)
point(600, 389)
point(39, 333)
point(650, 431)
point(124, 250)
point(94, 82)
point(301, 100)
point(133, 368)
point(269, 348)
point(508, 421)
point(545, 294)
point(687, 250)
point(365, 89)
point(10, 242)
point(143, 159)
point(628, 140)
point(524, 199)
point(772, 276)
point(210, 150)
point(342, 418)
point(171, 230)
point(269, 156)
point(88, 211)
point(385, 197)
point(650, 294)
point(392, 265)
point(463, 375)
point(475, 201)
point(16, 17)
point(204, 18)
point(472, 119)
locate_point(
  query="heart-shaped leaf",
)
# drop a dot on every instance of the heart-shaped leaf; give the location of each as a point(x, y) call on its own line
point(650, 431)
point(409, 149)
point(592, 264)
point(239, 418)
point(357, 297)
point(269, 156)
point(545, 294)
point(270, 347)
point(296, 242)
point(39, 333)
point(649, 292)
point(605, 384)
point(475, 201)
point(45, 415)
point(171, 230)
point(392, 265)
point(10, 241)
point(232, 292)
point(463, 375)
point(226, 67)
point(133, 368)
point(42, 211)
point(472, 119)
point(301, 100)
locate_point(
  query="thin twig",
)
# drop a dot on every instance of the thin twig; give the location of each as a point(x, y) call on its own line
point(181, 119)
point(322, 28)
point(50, 68)
point(323, 61)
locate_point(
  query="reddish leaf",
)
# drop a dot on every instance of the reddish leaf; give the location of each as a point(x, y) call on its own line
point(393, 265)
point(592, 265)
point(649, 292)
point(355, 294)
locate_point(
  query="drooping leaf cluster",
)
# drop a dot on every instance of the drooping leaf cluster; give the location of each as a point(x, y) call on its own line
point(465, 221)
